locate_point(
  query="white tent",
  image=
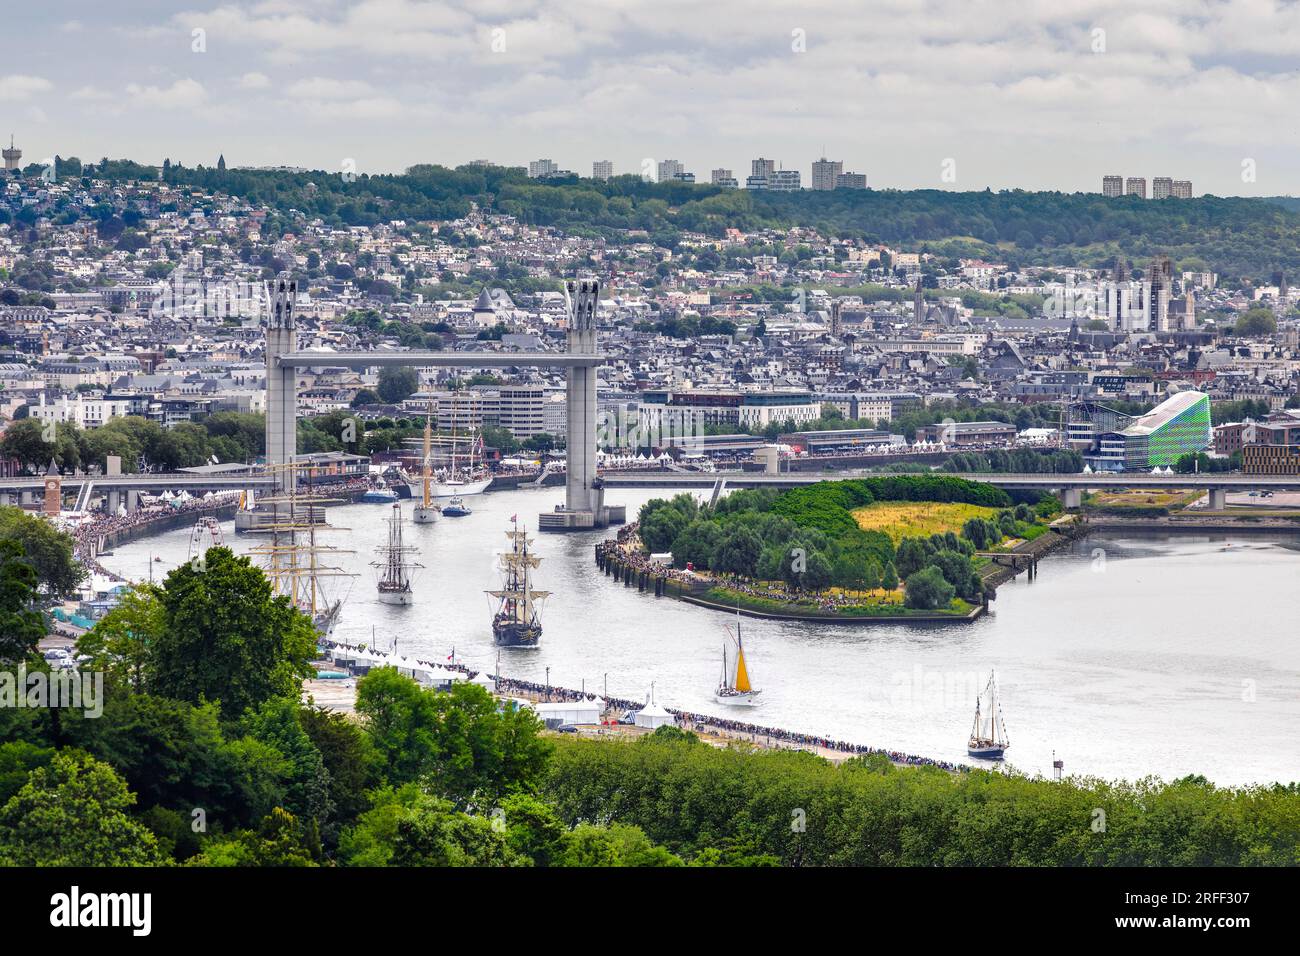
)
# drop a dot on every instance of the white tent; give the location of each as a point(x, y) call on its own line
point(484, 681)
point(652, 716)
point(569, 712)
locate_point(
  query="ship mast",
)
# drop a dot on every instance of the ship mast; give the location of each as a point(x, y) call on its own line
point(428, 440)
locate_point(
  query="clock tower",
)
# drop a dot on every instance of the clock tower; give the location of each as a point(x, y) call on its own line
point(53, 490)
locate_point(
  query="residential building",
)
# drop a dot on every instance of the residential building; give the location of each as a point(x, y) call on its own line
point(1136, 186)
point(1112, 186)
point(602, 169)
point(825, 173)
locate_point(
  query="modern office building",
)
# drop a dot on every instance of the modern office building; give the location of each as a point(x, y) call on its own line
point(1271, 448)
point(825, 172)
point(684, 413)
point(1178, 426)
point(602, 169)
point(1112, 186)
point(1136, 186)
point(723, 177)
point(785, 180)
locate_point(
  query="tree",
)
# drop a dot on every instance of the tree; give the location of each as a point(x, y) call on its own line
point(227, 637)
point(432, 833)
point(889, 577)
point(21, 625)
point(48, 549)
point(25, 441)
point(1257, 321)
point(119, 643)
point(73, 813)
point(928, 590)
point(397, 384)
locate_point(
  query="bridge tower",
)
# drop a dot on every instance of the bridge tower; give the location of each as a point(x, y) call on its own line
point(584, 496)
point(281, 394)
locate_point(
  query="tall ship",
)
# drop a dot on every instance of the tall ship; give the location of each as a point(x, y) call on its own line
point(516, 622)
point(427, 511)
point(735, 688)
point(988, 735)
point(296, 562)
point(395, 564)
point(464, 470)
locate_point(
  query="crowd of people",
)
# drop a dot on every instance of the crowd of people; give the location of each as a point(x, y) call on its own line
point(88, 535)
point(756, 733)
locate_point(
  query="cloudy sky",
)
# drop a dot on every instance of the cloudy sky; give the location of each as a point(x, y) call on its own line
point(1000, 93)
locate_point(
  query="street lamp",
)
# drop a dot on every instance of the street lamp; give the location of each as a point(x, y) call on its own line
point(548, 685)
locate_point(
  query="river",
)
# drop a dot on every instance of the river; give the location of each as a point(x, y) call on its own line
point(1129, 655)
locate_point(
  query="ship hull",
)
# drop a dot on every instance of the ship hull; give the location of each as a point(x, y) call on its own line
point(514, 634)
point(456, 512)
point(379, 497)
point(747, 699)
point(450, 489)
point(423, 515)
point(985, 751)
point(395, 597)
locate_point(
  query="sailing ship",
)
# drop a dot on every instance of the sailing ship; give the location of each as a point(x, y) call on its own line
point(293, 559)
point(427, 511)
point(466, 472)
point(516, 623)
point(205, 534)
point(734, 688)
point(396, 564)
point(988, 735)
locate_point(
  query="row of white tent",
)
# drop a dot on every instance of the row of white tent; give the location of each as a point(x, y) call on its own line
point(585, 711)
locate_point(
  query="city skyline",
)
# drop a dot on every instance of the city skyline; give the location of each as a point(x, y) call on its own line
point(387, 84)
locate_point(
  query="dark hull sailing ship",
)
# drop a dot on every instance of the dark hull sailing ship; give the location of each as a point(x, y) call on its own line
point(395, 564)
point(988, 736)
point(516, 622)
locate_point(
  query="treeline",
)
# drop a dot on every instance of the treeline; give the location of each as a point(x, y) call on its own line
point(226, 436)
point(202, 753)
point(1016, 460)
point(1237, 237)
point(793, 809)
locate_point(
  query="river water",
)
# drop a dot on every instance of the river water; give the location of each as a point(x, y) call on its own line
point(1128, 655)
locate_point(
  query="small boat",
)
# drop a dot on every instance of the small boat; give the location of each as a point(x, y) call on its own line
point(456, 508)
point(988, 736)
point(381, 494)
point(396, 564)
point(735, 689)
point(516, 622)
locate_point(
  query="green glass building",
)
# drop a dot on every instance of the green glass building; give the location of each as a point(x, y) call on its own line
point(1177, 426)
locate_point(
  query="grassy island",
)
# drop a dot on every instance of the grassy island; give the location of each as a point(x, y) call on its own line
point(889, 546)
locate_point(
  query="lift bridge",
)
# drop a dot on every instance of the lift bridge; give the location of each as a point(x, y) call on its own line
point(584, 500)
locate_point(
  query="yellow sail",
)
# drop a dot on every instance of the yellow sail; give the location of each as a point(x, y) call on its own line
point(742, 675)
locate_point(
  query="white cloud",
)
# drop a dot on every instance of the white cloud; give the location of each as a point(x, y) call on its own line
point(183, 94)
point(17, 87)
point(254, 81)
point(325, 88)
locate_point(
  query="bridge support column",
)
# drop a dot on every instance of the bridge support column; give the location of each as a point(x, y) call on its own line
point(132, 500)
point(112, 500)
point(1072, 498)
point(584, 495)
point(1218, 499)
point(281, 394)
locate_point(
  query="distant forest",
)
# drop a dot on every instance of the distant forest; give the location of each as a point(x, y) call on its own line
point(1240, 238)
